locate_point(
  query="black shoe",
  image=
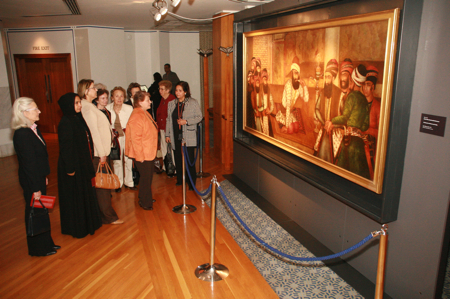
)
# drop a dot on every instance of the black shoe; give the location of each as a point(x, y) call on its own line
point(145, 208)
point(118, 190)
point(178, 184)
point(51, 253)
point(190, 188)
point(56, 247)
point(131, 188)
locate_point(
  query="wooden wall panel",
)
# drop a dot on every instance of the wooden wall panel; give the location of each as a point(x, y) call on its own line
point(223, 90)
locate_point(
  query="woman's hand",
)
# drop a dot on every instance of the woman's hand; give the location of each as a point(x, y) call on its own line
point(37, 195)
point(71, 174)
point(181, 122)
point(103, 159)
point(46, 181)
point(167, 139)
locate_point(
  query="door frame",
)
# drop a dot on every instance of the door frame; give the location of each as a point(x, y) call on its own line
point(66, 61)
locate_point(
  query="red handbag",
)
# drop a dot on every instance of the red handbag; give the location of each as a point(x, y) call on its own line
point(47, 200)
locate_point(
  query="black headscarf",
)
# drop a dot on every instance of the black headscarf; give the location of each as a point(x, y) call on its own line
point(157, 77)
point(67, 105)
point(155, 96)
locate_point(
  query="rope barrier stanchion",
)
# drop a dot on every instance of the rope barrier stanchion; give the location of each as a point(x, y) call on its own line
point(379, 285)
point(210, 271)
point(184, 208)
point(190, 178)
point(200, 173)
point(295, 258)
point(214, 272)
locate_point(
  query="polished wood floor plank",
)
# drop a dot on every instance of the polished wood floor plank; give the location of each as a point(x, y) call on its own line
point(152, 255)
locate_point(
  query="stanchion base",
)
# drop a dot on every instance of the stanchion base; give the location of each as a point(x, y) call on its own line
point(203, 174)
point(184, 209)
point(215, 273)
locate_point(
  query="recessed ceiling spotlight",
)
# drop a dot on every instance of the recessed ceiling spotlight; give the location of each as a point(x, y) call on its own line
point(175, 2)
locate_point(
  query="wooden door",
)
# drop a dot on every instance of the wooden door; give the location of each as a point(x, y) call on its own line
point(45, 78)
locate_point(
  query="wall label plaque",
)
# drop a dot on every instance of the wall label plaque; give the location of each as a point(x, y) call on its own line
point(432, 124)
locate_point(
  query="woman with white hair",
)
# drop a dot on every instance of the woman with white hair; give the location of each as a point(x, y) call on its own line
point(32, 155)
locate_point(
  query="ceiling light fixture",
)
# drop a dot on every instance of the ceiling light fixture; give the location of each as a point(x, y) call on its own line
point(163, 10)
point(251, 1)
point(160, 8)
point(175, 2)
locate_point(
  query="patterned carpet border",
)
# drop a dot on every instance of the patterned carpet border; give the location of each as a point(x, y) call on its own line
point(289, 279)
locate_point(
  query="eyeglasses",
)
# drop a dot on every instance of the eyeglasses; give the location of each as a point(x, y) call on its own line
point(31, 109)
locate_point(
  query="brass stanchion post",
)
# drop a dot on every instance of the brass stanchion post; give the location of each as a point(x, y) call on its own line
point(212, 272)
point(201, 174)
point(184, 208)
point(379, 286)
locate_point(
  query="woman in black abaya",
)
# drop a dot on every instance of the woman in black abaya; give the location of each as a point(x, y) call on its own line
point(79, 210)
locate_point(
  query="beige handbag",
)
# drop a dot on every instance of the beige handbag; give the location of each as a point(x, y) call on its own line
point(106, 180)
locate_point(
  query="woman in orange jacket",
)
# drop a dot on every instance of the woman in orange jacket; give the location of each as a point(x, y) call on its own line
point(141, 145)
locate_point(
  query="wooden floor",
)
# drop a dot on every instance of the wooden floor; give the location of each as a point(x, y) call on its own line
point(152, 255)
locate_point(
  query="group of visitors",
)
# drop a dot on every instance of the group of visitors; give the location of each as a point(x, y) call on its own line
point(90, 126)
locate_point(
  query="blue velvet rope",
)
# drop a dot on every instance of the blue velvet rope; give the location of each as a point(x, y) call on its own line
point(189, 174)
point(295, 258)
point(196, 153)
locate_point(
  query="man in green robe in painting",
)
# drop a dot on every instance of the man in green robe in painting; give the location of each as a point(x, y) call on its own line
point(355, 120)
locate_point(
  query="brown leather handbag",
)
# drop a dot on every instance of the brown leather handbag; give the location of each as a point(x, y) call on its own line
point(107, 180)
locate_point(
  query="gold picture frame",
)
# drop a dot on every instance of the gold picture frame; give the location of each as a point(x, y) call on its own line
point(291, 79)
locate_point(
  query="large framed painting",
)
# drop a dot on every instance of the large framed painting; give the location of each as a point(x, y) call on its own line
point(322, 91)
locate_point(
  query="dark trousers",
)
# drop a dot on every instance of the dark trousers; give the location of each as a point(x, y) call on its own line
point(41, 244)
point(179, 163)
point(145, 184)
point(104, 198)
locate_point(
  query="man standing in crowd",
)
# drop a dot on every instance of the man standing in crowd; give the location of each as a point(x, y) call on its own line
point(267, 101)
point(294, 89)
point(327, 107)
point(171, 76)
point(374, 110)
point(256, 104)
point(355, 120)
point(346, 71)
point(250, 116)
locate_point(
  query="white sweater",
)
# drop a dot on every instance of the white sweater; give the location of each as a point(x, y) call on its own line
point(124, 114)
point(100, 128)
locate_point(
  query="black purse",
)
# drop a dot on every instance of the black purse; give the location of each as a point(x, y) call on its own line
point(168, 162)
point(115, 150)
point(38, 220)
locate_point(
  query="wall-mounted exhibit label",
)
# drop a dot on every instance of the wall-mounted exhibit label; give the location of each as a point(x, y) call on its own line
point(40, 48)
point(432, 124)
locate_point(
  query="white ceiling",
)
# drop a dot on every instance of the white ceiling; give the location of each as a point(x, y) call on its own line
point(129, 14)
